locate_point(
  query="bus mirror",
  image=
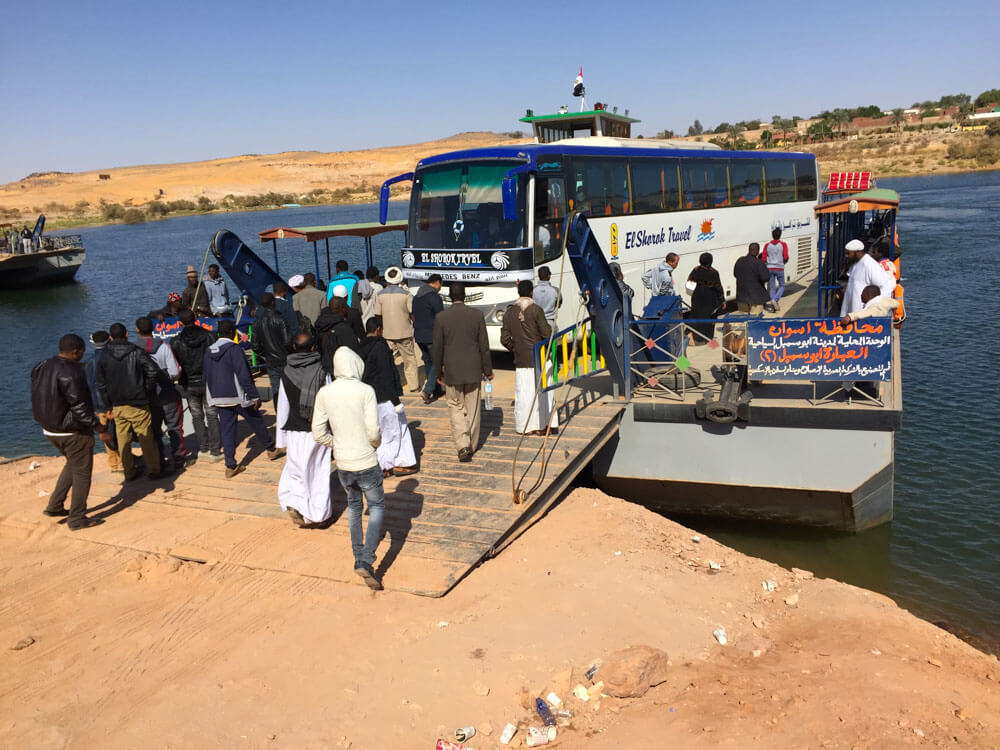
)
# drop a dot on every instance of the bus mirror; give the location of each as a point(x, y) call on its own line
point(383, 204)
point(509, 190)
point(383, 198)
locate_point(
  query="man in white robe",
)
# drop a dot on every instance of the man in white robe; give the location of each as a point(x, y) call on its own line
point(864, 272)
point(524, 325)
point(395, 455)
point(304, 487)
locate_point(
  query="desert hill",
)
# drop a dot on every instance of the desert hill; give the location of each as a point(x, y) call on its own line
point(291, 172)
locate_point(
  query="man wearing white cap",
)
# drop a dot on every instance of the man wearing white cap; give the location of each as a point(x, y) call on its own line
point(864, 271)
point(395, 305)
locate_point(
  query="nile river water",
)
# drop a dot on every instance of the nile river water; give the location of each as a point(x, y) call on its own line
point(940, 557)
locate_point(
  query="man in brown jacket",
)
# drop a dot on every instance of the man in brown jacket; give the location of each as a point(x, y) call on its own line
point(524, 325)
point(461, 353)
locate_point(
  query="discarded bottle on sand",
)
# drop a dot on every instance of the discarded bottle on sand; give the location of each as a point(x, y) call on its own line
point(563, 717)
point(545, 712)
point(488, 395)
point(464, 733)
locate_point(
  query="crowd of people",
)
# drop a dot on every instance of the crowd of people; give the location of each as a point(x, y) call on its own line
point(332, 359)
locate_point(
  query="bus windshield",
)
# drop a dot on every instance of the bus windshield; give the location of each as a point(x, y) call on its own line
point(459, 206)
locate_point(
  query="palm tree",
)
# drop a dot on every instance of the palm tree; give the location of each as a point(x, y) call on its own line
point(898, 118)
point(765, 138)
point(842, 118)
point(962, 116)
point(734, 132)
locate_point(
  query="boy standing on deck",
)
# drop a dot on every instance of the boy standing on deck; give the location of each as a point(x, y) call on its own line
point(775, 258)
point(230, 389)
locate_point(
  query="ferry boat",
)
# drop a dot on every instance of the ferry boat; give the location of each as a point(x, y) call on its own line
point(781, 419)
point(46, 260)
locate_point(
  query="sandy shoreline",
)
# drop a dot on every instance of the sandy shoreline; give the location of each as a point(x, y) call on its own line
point(136, 649)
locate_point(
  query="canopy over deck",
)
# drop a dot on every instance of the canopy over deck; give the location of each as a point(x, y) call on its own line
point(365, 230)
point(877, 198)
point(313, 234)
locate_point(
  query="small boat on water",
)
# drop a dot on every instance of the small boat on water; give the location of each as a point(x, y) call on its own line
point(38, 259)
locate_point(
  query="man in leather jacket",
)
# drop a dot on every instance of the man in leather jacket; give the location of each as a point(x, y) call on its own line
point(189, 347)
point(61, 404)
point(126, 380)
point(270, 339)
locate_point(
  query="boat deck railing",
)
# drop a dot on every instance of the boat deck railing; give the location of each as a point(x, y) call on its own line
point(817, 361)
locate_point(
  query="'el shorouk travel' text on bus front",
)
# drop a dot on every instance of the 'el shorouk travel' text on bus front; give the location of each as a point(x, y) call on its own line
point(642, 238)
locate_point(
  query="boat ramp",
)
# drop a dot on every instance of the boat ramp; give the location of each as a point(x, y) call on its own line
point(440, 523)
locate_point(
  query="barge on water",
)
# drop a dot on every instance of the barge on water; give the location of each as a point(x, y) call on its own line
point(38, 259)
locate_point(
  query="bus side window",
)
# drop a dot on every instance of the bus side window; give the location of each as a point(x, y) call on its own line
point(780, 180)
point(705, 184)
point(654, 185)
point(746, 181)
point(805, 180)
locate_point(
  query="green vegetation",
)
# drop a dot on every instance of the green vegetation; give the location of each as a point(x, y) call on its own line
point(986, 98)
point(983, 149)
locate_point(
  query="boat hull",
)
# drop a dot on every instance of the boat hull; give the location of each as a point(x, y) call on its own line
point(838, 479)
point(46, 267)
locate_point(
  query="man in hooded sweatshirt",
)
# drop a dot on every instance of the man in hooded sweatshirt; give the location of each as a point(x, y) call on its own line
point(231, 391)
point(345, 418)
point(304, 487)
point(126, 380)
point(395, 454)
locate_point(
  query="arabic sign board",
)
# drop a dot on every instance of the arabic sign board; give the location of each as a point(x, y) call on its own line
point(819, 349)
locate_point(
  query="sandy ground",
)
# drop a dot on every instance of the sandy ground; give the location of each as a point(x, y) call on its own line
point(135, 650)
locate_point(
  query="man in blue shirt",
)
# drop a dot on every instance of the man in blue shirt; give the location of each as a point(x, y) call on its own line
point(344, 277)
point(546, 296)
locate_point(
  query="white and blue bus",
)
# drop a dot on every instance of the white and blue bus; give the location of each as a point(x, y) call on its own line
point(490, 217)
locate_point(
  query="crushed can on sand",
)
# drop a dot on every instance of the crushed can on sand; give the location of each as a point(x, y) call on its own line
point(464, 733)
point(540, 736)
point(449, 745)
point(509, 730)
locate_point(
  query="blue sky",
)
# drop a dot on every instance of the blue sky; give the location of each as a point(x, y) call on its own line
point(105, 84)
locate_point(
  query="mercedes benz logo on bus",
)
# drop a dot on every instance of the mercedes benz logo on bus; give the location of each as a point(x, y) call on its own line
point(500, 260)
point(408, 260)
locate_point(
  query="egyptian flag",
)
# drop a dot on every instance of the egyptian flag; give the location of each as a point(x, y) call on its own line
point(578, 89)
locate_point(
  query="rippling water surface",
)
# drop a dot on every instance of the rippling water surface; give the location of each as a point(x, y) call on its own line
point(939, 557)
